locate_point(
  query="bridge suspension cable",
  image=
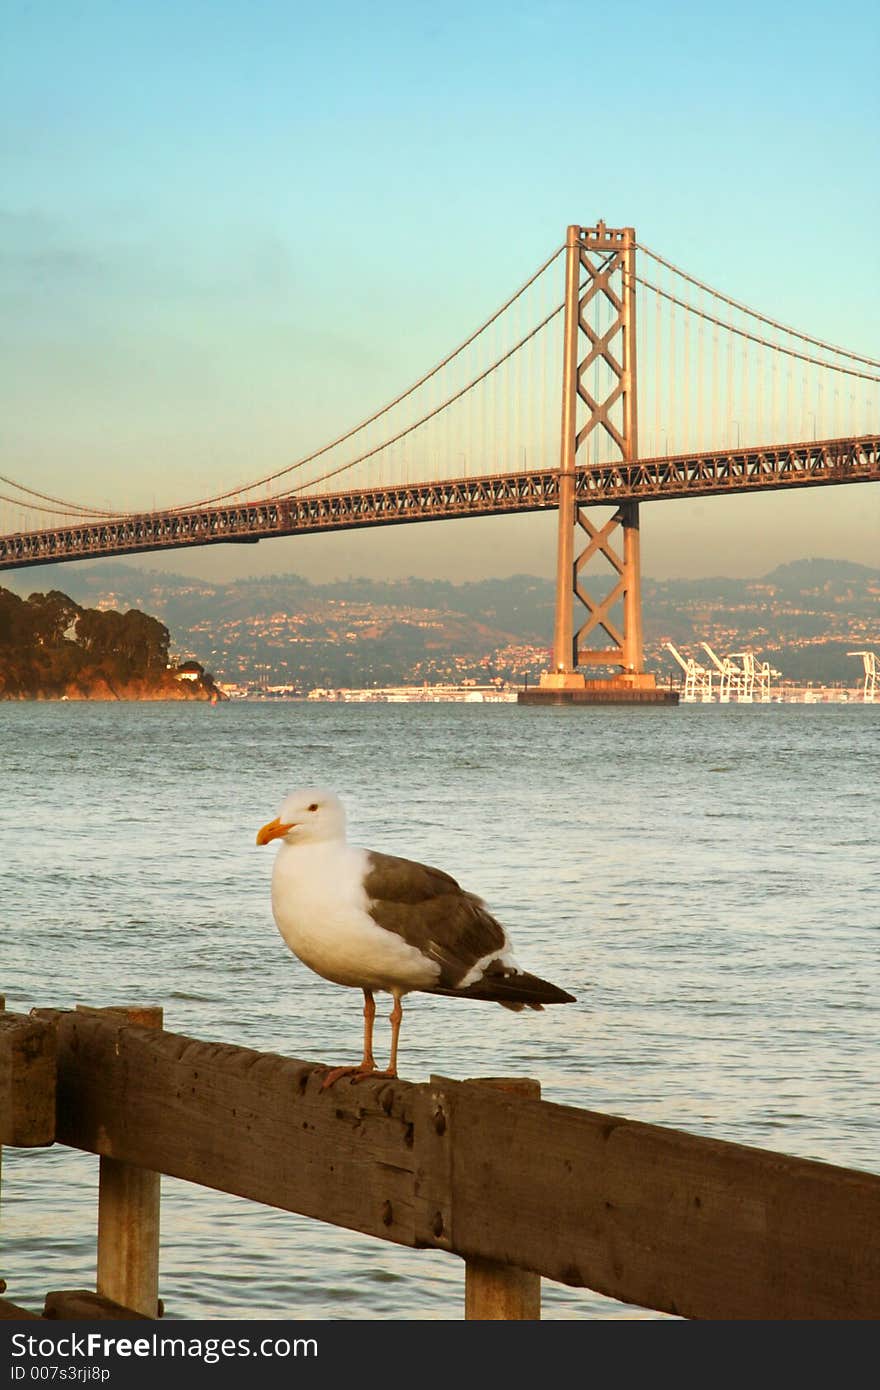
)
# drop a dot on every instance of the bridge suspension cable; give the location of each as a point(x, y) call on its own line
point(437, 410)
point(66, 507)
point(713, 374)
point(81, 514)
point(754, 313)
point(34, 501)
point(714, 371)
point(391, 405)
point(765, 342)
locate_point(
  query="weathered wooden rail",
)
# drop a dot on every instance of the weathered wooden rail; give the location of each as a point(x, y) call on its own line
point(517, 1187)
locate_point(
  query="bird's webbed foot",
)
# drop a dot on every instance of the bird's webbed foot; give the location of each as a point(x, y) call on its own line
point(365, 1070)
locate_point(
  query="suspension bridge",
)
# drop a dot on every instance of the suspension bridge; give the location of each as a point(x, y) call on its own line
point(726, 399)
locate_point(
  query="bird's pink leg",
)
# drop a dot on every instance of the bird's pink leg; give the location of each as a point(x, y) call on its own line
point(395, 1016)
point(368, 1066)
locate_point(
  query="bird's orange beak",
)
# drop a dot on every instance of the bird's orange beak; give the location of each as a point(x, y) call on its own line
point(273, 831)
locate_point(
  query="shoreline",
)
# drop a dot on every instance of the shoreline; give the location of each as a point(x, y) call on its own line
point(430, 695)
point(794, 695)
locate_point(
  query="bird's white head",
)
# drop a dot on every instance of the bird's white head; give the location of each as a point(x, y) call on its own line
point(308, 815)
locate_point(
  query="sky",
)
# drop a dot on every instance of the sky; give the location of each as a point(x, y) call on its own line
point(229, 230)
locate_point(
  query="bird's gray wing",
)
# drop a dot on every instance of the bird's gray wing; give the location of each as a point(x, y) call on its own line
point(433, 913)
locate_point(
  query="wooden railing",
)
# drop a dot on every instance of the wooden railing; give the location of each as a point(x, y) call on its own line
point(519, 1188)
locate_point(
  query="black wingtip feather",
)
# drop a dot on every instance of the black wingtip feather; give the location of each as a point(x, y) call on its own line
point(511, 989)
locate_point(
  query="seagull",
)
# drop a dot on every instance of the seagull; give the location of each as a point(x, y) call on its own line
point(377, 922)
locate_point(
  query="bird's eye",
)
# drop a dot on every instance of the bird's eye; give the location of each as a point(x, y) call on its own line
point(314, 806)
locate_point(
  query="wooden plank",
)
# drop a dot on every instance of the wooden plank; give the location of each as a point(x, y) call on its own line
point(493, 1290)
point(27, 1081)
point(254, 1124)
point(88, 1306)
point(496, 1292)
point(11, 1312)
point(659, 1218)
point(128, 1216)
point(128, 1235)
point(650, 1216)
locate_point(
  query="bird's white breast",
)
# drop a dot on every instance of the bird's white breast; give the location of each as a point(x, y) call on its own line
point(320, 908)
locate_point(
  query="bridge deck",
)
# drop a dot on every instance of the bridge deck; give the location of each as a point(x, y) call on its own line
point(854, 459)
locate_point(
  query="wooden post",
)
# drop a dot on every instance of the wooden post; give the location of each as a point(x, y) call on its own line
point(2, 1010)
point(499, 1291)
point(128, 1216)
point(27, 1081)
point(27, 1096)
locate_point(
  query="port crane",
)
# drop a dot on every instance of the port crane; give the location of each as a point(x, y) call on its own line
point(746, 676)
point(756, 677)
point(869, 660)
point(731, 682)
point(697, 678)
point(765, 674)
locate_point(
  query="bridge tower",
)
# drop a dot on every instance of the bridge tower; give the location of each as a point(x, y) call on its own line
point(599, 372)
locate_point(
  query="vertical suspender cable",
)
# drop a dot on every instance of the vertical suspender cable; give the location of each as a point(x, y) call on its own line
point(699, 443)
point(685, 441)
point(716, 376)
point(745, 429)
point(658, 371)
point(672, 430)
point(729, 403)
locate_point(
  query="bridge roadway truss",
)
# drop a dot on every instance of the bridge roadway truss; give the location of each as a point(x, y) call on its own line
point(819, 462)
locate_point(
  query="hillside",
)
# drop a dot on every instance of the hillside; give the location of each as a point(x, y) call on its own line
point(804, 617)
point(52, 648)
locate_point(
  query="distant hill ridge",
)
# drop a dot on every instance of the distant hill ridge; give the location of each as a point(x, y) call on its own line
point(133, 583)
point(803, 615)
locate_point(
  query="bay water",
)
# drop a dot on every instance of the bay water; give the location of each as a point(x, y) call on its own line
point(704, 879)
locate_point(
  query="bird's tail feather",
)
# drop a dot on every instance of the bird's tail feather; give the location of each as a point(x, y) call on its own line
point(513, 989)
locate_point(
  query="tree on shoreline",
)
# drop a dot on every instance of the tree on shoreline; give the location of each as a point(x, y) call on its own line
point(52, 647)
